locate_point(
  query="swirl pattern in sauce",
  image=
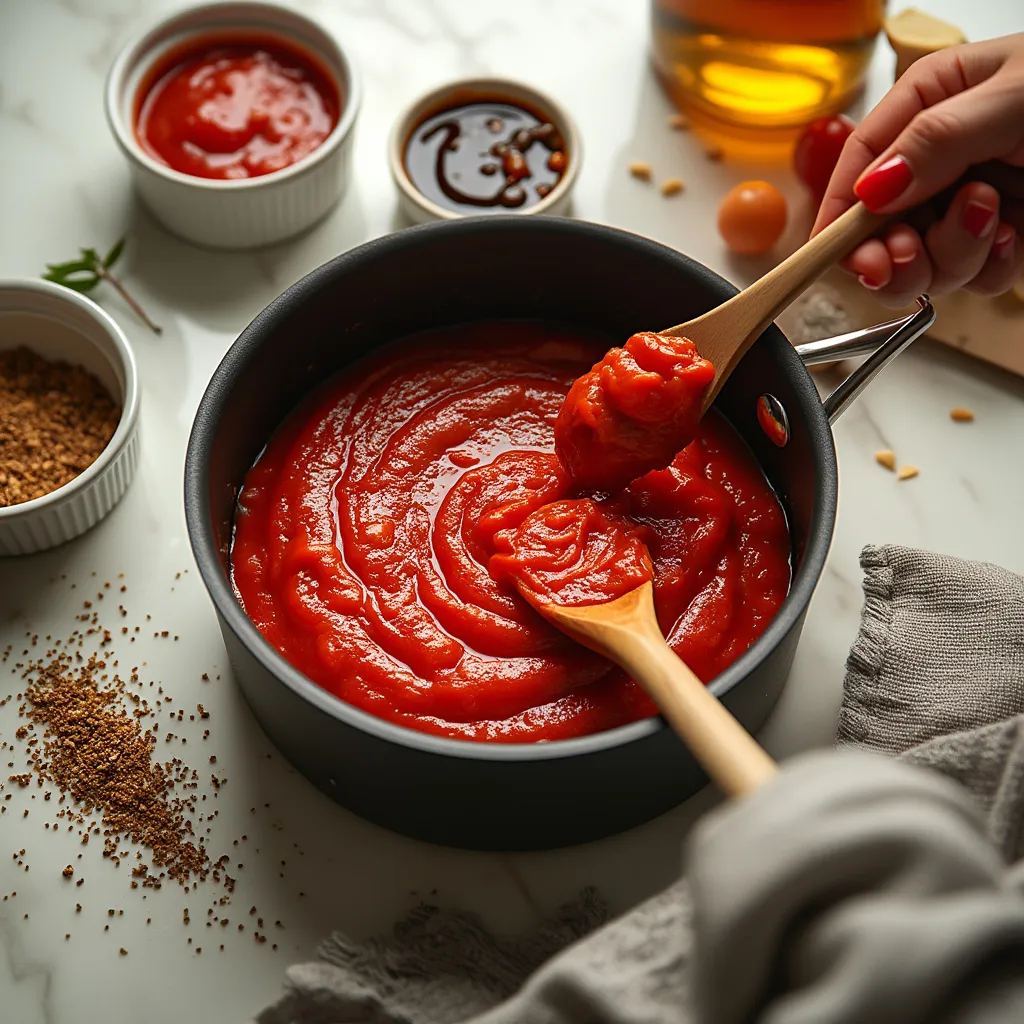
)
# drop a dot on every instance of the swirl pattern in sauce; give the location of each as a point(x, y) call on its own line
point(572, 553)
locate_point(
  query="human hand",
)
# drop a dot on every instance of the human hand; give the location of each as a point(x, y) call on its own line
point(944, 147)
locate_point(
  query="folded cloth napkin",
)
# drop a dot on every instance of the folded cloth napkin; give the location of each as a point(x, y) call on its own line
point(852, 889)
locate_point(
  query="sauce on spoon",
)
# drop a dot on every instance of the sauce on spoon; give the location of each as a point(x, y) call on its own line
point(632, 412)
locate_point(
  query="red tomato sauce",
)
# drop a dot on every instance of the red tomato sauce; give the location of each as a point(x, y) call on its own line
point(236, 111)
point(632, 412)
point(572, 553)
point(367, 530)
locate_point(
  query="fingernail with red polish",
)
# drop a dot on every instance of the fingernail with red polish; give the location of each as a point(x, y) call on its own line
point(902, 261)
point(886, 183)
point(978, 219)
point(868, 283)
point(1002, 244)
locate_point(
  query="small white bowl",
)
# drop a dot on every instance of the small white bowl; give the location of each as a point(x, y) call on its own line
point(246, 212)
point(60, 324)
point(417, 207)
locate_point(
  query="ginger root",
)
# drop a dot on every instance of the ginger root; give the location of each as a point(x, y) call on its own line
point(913, 34)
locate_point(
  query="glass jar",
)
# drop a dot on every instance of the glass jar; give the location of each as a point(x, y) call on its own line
point(763, 64)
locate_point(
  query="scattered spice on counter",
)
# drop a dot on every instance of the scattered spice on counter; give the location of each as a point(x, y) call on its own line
point(89, 732)
point(55, 420)
point(907, 473)
point(714, 153)
point(679, 122)
point(84, 733)
point(672, 186)
point(886, 458)
point(960, 415)
point(640, 169)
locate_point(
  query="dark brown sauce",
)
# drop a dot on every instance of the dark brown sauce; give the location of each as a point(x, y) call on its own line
point(485, 156)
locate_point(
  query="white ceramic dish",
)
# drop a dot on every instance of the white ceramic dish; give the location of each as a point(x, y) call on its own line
point(417, 207)
point(60, 324)
point(247, 212)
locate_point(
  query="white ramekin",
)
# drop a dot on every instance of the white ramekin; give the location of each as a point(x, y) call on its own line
point(247, 212)
point(60, 324)
point(417, 207)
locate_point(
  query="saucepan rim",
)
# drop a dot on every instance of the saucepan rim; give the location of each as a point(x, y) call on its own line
point(244, 349)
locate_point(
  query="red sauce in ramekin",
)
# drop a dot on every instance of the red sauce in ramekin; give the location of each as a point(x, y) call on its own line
point(372, 540)
point(236, 109)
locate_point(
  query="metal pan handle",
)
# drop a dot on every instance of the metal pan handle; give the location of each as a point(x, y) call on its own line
point(881, 344)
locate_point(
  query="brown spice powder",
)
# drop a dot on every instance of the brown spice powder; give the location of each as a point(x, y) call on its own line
point(95, 751)
point(55, 419)
point(85, 729)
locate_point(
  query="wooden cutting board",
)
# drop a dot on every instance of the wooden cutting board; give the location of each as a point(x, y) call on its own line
point(991, 329)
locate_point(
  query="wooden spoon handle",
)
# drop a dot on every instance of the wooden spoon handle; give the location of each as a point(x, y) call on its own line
point(724, 334)
point(728, 753)
point(767, 297)
point(627, 631)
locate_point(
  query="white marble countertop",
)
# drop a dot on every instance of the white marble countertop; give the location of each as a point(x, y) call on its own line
point(63, 184)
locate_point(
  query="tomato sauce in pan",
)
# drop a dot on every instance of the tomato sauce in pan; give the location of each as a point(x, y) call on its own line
point(376, 533)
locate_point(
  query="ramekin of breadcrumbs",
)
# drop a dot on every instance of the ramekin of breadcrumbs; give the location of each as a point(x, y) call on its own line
point(69, 408)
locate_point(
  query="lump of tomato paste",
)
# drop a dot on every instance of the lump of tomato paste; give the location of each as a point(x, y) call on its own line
point(632, 412)
point(572, 553)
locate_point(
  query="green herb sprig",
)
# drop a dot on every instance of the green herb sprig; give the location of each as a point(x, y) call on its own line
point(83, 274)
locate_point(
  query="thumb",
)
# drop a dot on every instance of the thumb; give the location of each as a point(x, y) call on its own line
point(943, 141)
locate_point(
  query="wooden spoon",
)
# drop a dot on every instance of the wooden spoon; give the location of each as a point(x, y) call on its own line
point(724, 334)
point(626, 631)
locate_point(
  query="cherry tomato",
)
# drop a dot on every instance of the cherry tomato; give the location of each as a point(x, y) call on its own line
point(817, 151)
point(752, 217)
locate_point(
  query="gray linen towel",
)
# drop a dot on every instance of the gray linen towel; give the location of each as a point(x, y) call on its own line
point(853, 889)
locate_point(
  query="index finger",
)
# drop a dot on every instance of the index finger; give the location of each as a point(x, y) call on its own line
point(857, 154)
point(927, 82)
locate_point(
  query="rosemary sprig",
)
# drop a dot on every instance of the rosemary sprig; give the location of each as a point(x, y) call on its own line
point(83, 274)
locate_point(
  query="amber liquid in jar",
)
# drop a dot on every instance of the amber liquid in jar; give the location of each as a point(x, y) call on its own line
point(764, 64)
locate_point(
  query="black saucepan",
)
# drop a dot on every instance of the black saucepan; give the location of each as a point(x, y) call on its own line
point(497, 796)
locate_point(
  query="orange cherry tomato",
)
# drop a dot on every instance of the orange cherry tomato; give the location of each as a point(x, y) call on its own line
point(752, 217)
